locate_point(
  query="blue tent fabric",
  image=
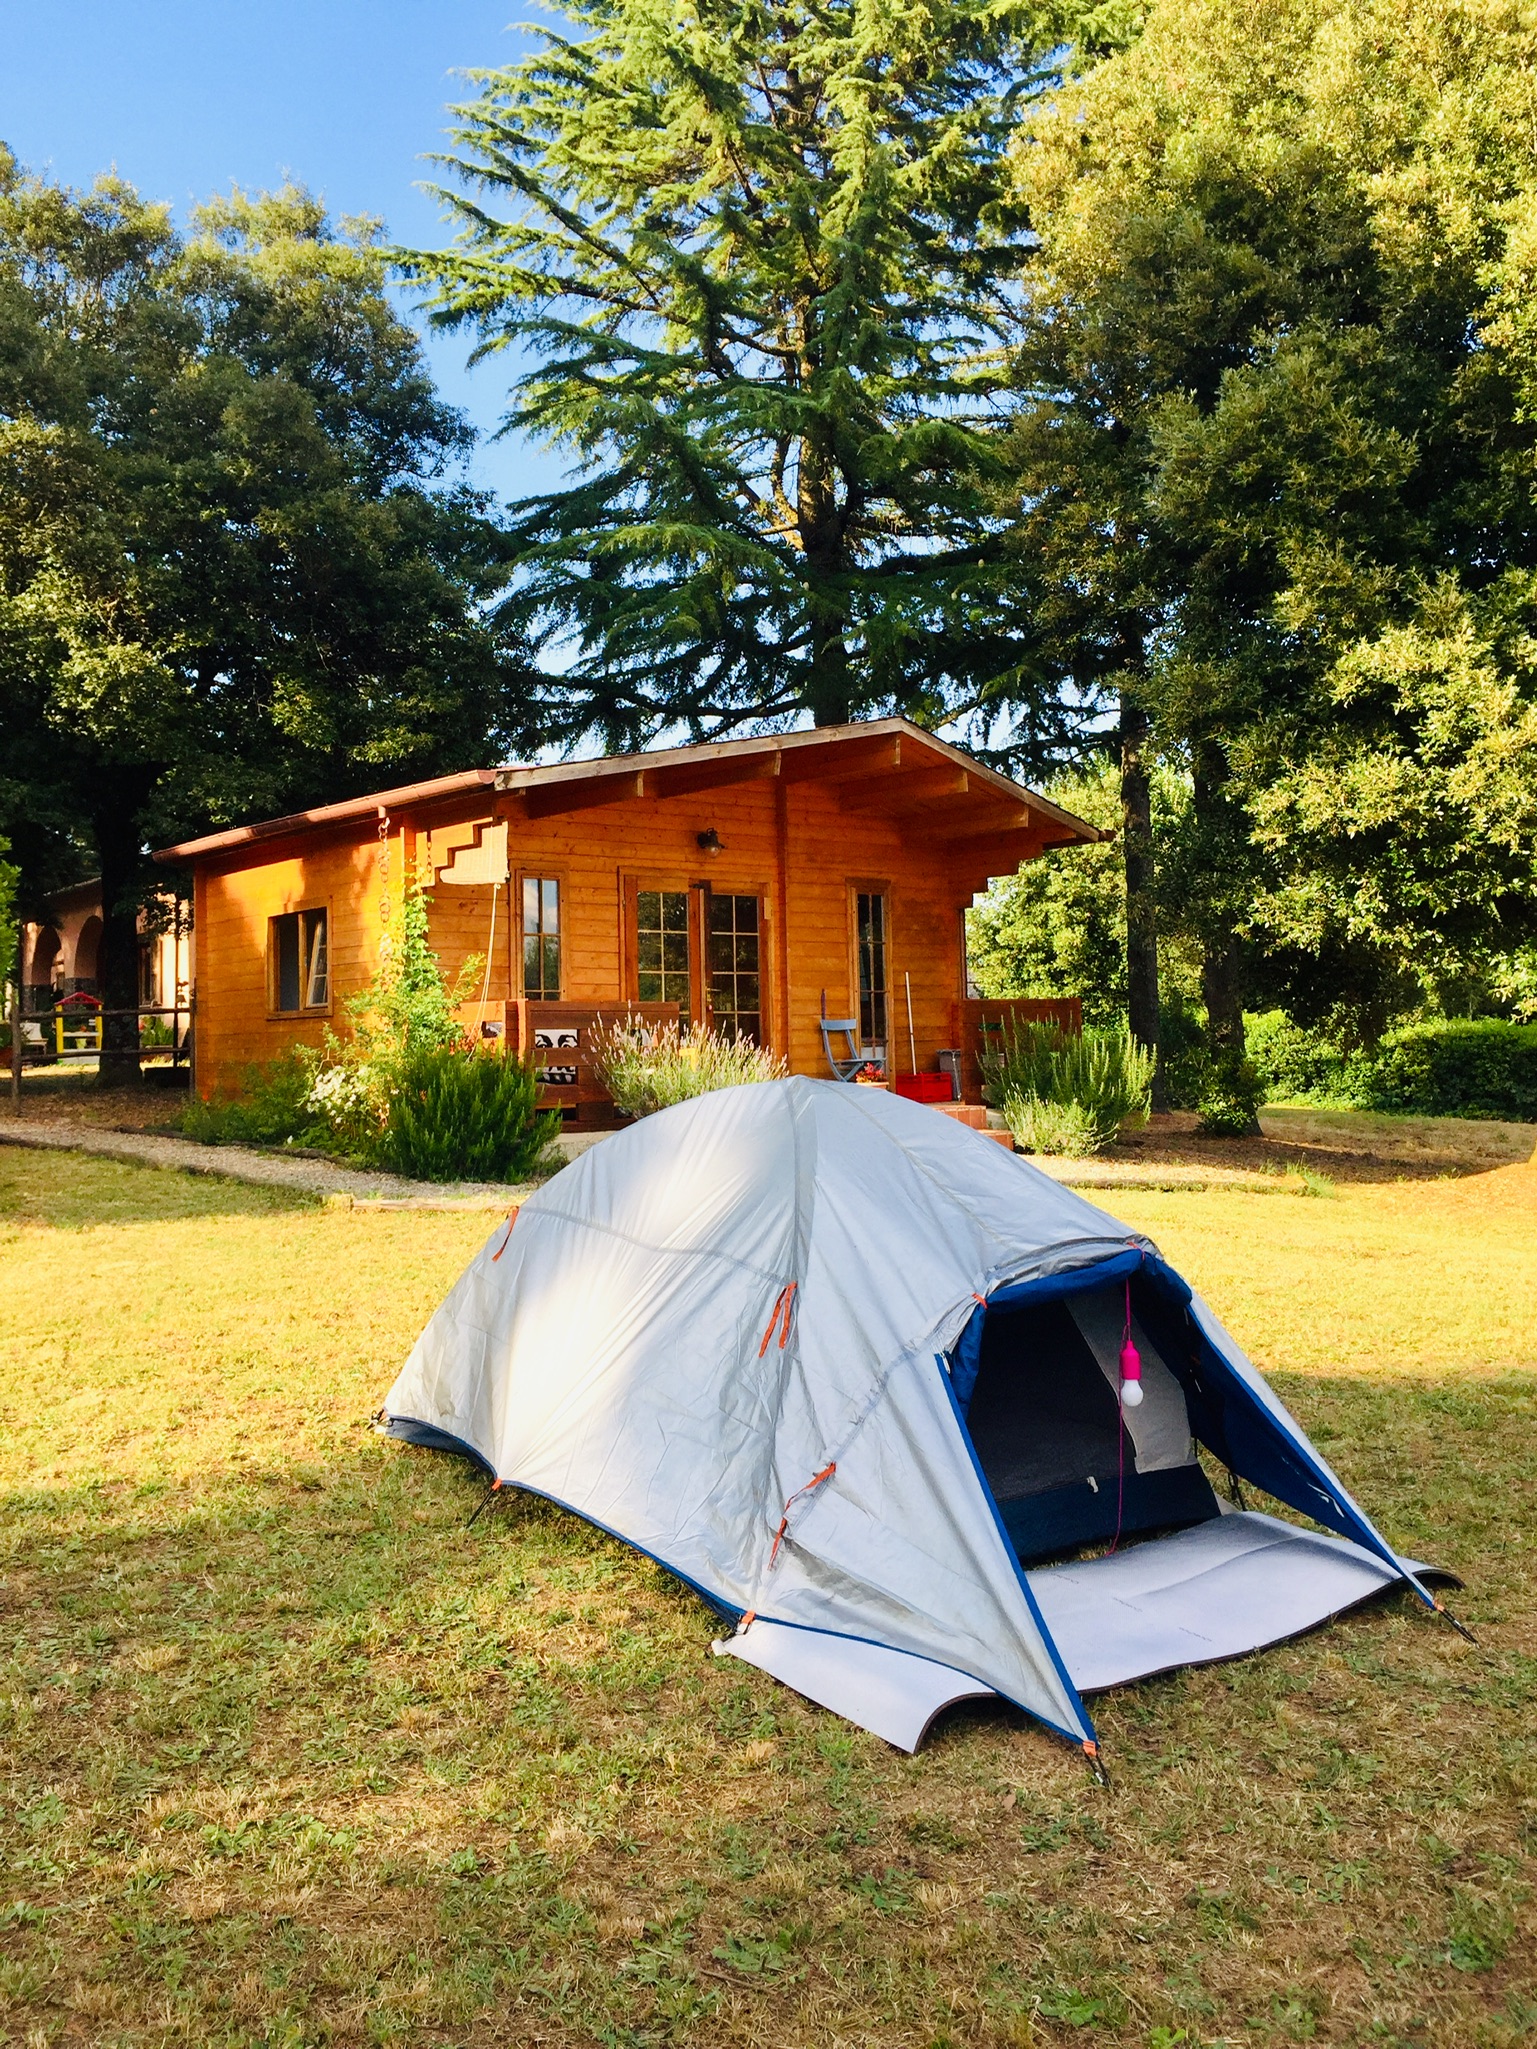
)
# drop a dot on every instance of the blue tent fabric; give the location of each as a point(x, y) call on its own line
point(966, 1358)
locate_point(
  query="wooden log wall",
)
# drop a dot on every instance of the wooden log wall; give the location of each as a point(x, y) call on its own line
point(793, 843)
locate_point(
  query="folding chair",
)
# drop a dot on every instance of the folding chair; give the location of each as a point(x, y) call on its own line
point(844, 1066)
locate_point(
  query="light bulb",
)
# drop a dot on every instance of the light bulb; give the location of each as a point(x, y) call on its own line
point(1131, 1394)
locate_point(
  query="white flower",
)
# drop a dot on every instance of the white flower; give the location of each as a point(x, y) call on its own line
point(340, 1092)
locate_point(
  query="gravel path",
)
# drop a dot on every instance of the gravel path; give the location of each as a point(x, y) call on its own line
point(366, 1190)
point(352, 1185)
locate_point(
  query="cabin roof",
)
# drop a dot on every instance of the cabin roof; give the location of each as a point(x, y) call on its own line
point(892, 759)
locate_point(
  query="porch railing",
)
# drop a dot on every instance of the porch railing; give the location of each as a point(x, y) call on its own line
point(557, 1035)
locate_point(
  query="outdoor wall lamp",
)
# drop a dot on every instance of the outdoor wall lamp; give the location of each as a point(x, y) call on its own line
point(709, 842)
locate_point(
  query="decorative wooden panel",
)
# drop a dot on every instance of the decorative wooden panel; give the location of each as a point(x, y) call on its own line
point(556, 1035)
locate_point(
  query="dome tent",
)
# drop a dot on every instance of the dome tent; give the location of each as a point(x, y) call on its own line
point(850, 1372)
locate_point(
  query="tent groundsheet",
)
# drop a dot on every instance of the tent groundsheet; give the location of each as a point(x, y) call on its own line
point(1219, 1590)
point(1215, 1591)
point(891, 1693)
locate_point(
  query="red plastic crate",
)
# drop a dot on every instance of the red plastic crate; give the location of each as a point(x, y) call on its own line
point(923, 1088)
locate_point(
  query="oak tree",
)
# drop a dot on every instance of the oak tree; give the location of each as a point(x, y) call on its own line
point(236, 572)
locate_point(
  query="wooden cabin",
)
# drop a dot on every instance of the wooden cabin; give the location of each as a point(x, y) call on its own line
point(756, 885)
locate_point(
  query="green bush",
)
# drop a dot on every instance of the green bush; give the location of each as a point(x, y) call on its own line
point(649, 1067)
point(1104, 1075)
point(1041, 1126)
point(274, 1106)
point(1298, 1065)
point(1475, 1068)
point(460, 1115)
point(1231, 1094)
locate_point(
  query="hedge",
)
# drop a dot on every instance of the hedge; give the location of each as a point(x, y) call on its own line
point(1468, 1068)
point(1481, 1068)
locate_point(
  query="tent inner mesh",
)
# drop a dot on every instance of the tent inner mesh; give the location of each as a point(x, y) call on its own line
point(1049, 1438)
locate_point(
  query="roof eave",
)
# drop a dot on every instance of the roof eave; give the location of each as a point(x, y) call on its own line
point(513, 779)
point(462, 784)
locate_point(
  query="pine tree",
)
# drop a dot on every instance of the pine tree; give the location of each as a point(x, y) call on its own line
point(755, 262)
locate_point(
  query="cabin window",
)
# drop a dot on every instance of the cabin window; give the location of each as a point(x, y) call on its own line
point(870, 934)
point(733, 954)
point(298, 961)
point(541, 938)
point(662, 948)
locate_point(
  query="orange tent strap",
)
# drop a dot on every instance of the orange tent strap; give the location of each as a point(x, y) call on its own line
point(512, 1218)
point(784, 1521)
point(784, 1335)
point(781, 1302)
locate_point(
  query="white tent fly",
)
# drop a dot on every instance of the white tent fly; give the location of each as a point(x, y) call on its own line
point(853, 1373)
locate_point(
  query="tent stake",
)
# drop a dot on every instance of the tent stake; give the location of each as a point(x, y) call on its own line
point(1461, 1628)
point(494, 1488)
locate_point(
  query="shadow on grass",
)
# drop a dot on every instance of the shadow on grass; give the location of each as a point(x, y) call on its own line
point(74, 1191)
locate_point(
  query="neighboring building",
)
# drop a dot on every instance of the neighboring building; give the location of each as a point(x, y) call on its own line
point(59, 954)
point(756, 885)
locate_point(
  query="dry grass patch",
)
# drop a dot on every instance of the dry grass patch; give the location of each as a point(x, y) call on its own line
point(290, 1757)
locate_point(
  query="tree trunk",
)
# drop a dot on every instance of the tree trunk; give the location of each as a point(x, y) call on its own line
point(1222, 993)
point(1221, 960)
point(829, 692)
point(118, 848)
point(1141, 906)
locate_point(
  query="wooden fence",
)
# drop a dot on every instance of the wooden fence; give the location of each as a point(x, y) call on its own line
point(976, 1021)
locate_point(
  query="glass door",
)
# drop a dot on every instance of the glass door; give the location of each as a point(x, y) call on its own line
point(733, 945)
point(663, 950)
point(870, 930)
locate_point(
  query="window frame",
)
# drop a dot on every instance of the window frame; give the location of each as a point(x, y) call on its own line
point(869, 885)
point(557, 875)
point(274, 971)
point(633, 887)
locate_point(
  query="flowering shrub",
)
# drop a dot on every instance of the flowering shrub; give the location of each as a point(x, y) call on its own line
point(649, 1067)
point(350, 1098)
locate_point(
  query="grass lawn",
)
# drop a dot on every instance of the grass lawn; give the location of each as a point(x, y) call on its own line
point(291, 1757)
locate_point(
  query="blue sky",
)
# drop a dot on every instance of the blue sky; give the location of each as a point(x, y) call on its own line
point(185, 97)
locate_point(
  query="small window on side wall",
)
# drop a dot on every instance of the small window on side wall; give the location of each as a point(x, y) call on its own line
point(298, 961)
point(870, 935)
point(541, 938)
